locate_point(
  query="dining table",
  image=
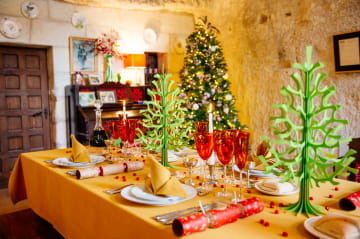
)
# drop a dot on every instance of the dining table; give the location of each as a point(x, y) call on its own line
point(79, 208)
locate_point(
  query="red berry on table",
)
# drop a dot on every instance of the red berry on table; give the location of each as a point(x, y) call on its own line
point(327, 208)
point(134, 174)
point(137, 178)
point(222, 186)
point(281, 204)
point(214, 185)
point(262, 221)
point(197, 177)
point(276, 211)
point(311, 198)
point(336, 189)
point(116, 177)
point(248, 191)
point(285, 234)
point(222, 176)
point(331, 196)
point(237, 185)
point(200, 184)
point(266, 224)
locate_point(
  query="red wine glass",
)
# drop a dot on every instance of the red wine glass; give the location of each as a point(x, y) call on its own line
point(204, 143)
point(241, 149)
point(224, 148)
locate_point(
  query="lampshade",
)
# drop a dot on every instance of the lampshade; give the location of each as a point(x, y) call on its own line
point(135, 60)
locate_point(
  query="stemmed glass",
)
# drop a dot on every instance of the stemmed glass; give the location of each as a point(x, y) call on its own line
point(224, 148)
point(204, 143)
point(132, 125)
point(201, 127)
point(122, 132)
point(189, 163)
point(241, 147)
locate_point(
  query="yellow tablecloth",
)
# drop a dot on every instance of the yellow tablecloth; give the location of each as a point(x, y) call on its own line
point(80, 209)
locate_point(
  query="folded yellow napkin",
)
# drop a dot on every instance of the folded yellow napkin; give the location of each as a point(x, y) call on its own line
point(79, 152)
point(161, 182)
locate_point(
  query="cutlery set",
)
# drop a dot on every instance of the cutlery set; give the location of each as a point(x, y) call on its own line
point(168, 218)
point(117, 190)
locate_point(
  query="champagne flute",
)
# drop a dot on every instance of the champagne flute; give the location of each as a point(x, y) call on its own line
point(189, 163)
point(204, 143)
point(224, 148)
point(132, 125)
point(241, 147)
point(122, 132)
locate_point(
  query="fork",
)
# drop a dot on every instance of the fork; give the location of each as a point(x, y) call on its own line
point(117, 190)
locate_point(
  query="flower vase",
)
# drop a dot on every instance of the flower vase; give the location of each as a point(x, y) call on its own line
point(109, 76)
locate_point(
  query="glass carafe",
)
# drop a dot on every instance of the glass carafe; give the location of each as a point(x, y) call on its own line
point(99, 135)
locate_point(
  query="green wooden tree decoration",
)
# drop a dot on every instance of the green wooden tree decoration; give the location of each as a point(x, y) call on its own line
point(307, 131)
point(164, 119)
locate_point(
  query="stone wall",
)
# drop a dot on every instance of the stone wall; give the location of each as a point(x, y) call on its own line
point(263, 38)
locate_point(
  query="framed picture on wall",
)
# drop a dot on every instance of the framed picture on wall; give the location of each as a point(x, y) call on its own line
point(82, 55)
point(87, 98)
point(107, 96)
point(347, 52)
point(94, 80)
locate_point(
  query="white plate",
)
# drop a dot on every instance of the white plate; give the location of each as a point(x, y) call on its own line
point(66, 163)
point(141, 192)
point(308, 224)
point(257, 173)
point(261, 189)
point(127, 194)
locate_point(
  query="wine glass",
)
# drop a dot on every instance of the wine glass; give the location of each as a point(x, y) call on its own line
point(241, 147)
point(189, 163)
point(122, 132)
point(224, 148)
point(204, 143)
point(132, 125)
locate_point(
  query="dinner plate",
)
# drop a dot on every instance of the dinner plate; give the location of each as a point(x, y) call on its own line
point(66, 163)
point(309, 226)
point(141, 192)
point(257, 173)
point(127, 194)
point(259, 187)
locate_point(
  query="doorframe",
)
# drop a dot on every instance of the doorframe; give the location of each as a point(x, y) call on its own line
point(51, 83)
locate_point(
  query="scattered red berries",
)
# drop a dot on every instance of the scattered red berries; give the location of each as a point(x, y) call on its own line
point(248, 191)
point(237, 185)
point(124, 178)
point(214, 185)
point(266, 224)
point(262, 221)
point(222, 176)
point(285, 234)
point(222, 186)
point(116, 177)
point(134, 174)
point(276, 211)
point(200, 184)
point(281, 204)
point(137, 178)
point(197, 177)
point(331, 196)
point(311, 198)
point(336, 189)
point(272, 204)
point(327, 208)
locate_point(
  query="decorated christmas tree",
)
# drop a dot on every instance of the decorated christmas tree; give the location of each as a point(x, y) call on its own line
point(308, 135)
point(204, 79)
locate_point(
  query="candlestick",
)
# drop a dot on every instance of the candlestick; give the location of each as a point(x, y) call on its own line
point(211, 130)
point(124, 109)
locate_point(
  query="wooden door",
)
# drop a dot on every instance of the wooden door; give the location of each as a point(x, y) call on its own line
point(24, 105)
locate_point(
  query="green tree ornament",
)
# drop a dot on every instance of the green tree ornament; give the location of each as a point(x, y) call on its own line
point(164, 119)
point(307, 131)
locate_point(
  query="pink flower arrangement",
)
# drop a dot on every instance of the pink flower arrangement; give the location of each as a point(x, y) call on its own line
point(107, 44)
